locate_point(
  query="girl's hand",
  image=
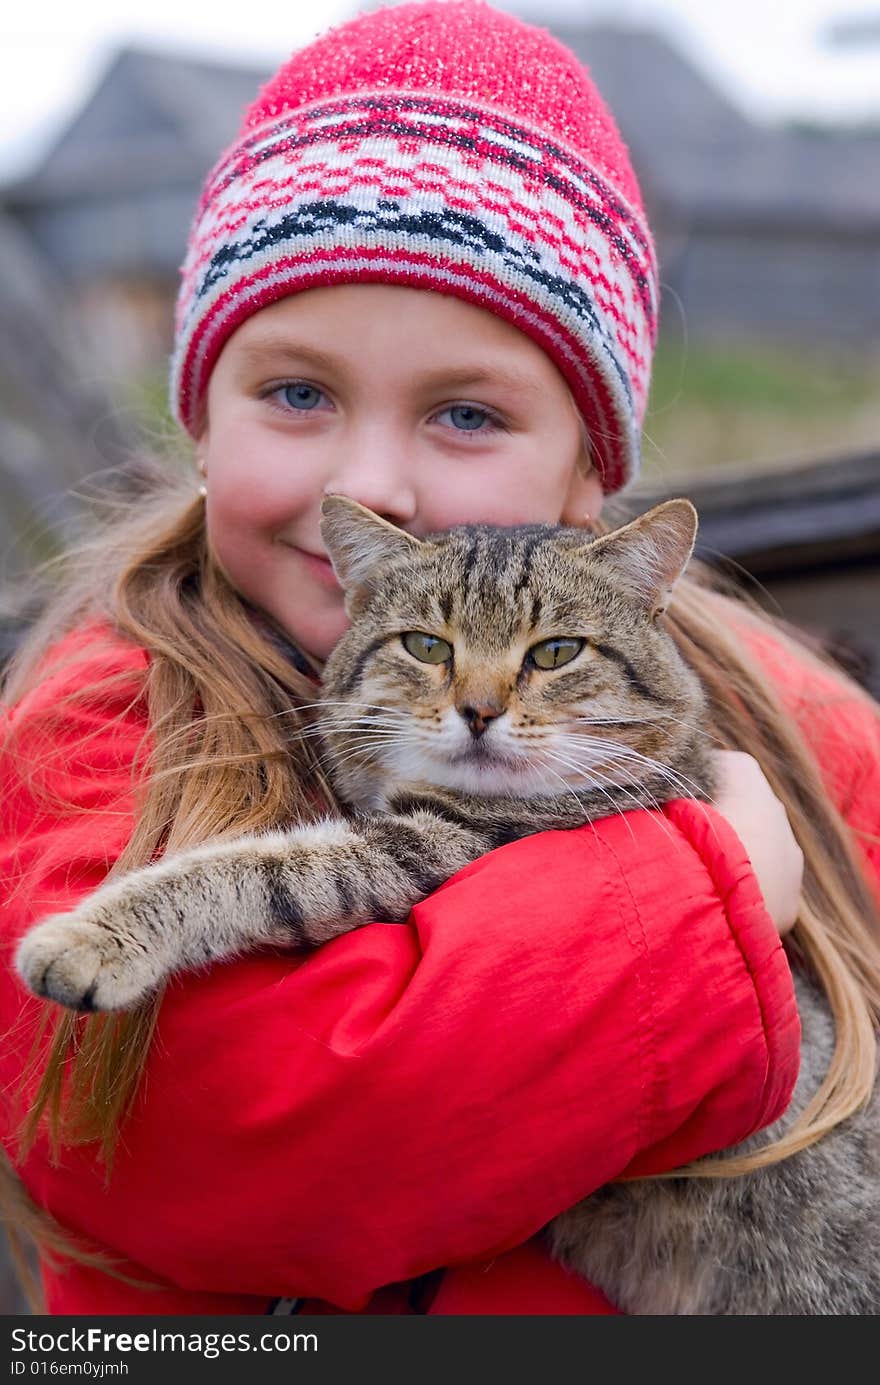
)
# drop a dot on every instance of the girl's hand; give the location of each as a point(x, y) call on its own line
point(760, 821)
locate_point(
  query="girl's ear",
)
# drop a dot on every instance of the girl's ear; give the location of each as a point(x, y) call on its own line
point(649, 555)
point(359, 543)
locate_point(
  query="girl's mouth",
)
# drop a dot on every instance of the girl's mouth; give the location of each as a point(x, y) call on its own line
point(319, 565)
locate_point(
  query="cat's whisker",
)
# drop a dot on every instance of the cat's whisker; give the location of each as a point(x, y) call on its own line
point(331, 702)
point(597, 777)
point(679, 782)
point(325, 733)
point(362, 757)
point(643, 798)
point(368, 746)
point(360, 724)
point(648, 721)
point(407, 729)
point(326, 707)
point(594, 787)
point(317, 733)
point(689, 788)
point(351, 727)
point(676, 782)
point(570, 790)
point(387, 738)
point(402, 735)
point(363, 724)
point(594, 775)
point(597, 744)
point(612, 763)
point(621, 721)
point(621, 752)
point(359, 741)
point(599, 750)
point(346, 702)
point(696, 730)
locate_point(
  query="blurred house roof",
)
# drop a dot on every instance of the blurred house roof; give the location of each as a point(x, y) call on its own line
point(154, 117)
point(699, 155)
point(157, 118)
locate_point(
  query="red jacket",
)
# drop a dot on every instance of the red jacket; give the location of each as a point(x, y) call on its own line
point(571, 1007)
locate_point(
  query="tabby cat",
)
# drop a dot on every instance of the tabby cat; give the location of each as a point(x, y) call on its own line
point(494, 683)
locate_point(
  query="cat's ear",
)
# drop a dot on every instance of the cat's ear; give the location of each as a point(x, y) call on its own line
point(649, 555)
point(359, 543)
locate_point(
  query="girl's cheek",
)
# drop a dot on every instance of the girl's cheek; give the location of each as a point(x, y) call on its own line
point(236, 509)
point(257, 491)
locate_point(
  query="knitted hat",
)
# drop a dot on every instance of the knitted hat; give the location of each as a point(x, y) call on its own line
point(450, 147)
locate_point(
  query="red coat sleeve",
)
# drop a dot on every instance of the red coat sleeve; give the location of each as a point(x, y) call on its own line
point(567, 1008)
point(845, 737)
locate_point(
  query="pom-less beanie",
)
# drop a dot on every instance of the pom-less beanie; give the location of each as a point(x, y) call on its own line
point(454, 148)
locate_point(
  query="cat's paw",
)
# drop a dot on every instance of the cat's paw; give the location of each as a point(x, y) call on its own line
point(86, 964)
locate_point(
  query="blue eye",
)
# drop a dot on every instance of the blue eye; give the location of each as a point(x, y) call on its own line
point(301, 396)
point(467, 418)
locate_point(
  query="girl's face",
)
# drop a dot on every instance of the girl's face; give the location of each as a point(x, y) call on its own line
point(425, 408)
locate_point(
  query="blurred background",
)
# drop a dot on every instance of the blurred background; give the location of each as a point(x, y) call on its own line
point(755, 133)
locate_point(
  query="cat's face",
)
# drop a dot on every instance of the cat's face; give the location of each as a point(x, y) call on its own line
point(520, 661)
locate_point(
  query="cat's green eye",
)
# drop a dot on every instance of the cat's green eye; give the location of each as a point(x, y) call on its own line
point(429, 649)
point(556, 652)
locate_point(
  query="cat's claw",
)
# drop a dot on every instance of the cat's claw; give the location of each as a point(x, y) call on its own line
point(84, 965)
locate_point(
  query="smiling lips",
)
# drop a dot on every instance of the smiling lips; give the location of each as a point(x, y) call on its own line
point(320, 566)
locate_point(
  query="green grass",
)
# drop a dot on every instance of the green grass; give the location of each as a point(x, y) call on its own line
point(760, 378)
point(712, 404)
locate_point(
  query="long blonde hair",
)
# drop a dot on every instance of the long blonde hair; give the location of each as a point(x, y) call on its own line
point(226, 707)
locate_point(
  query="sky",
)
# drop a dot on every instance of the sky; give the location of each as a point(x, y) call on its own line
point(769, 55)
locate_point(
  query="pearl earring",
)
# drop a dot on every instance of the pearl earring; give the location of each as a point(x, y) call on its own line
point(203, 491)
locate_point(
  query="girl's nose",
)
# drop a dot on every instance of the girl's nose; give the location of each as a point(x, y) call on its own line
point(377, 472)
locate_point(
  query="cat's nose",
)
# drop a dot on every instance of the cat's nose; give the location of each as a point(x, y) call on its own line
point(478, 718)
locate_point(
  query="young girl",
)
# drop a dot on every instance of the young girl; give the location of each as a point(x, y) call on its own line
point(421, 278)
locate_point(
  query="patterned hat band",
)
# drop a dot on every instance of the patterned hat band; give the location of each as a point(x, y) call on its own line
point(388, 187)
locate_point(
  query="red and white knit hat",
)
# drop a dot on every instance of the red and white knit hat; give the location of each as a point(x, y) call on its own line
point(451, 147)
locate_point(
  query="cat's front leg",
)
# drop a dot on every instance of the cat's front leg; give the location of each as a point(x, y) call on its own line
point(294, 889)
point(124, 940)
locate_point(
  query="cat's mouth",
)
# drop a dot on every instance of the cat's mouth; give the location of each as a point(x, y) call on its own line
point(479, 753)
